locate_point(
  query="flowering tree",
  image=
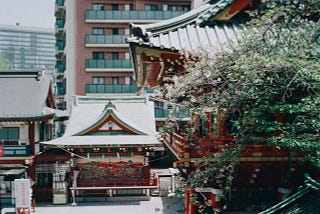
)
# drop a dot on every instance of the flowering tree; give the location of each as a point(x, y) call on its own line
point(268, 84)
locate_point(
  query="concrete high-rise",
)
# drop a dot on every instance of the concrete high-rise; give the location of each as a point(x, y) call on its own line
point(27, 48)
point(93, 57)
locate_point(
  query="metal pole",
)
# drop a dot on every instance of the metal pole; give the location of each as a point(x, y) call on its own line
point(74, 187)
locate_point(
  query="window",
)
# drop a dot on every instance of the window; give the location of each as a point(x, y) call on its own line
point(97, 6)
point(98, 55)
point(178, 8)
point(45, 132)
point(115, 31)
point(115, 55)
point(185, 8)
point(128, 7)
point(150, 7)
point(97, 31)
point(115, 80)
point(127, 55)
point(9, 133)
point(115, 7)
point(127, 80)
point(172, 8)
point(44, 179)
point(98, 80)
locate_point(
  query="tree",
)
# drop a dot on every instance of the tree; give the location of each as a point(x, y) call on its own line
point(272, 73)
point(4, 63)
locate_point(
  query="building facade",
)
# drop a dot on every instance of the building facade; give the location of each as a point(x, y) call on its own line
point(260, 178)
point(92, 54)
point(104, 152)
point(27, 48)
point(27, 116)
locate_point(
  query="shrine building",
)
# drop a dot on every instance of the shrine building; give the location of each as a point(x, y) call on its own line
point(104, 152)
point(28, 115)
point(262, 177)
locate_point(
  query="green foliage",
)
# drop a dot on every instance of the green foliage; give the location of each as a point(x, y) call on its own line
point(273, 71)
point(4, 63)
point(215, 171)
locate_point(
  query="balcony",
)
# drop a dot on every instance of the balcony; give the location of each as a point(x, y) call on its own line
point(60, 2)
point(121, 88)
point(60, 45)
point(59, 26)
point(106, 40)
point(60, 23)
point(109, 65)
point(160, 113)
point(60, 67)
point(16, 151)
point(59, 8)
point(127, 16)
point(61, 91)
point(105, 88)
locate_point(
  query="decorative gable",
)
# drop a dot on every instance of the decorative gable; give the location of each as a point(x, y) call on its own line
point(110, 123)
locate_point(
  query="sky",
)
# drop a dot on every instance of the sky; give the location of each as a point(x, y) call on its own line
point(31, 13)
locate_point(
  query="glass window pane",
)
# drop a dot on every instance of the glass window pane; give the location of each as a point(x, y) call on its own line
point(3, 134)
point(97, 31)
point(115, 80)
point(13, 133)
point(97, 7)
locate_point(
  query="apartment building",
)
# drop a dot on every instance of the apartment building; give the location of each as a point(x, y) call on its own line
point(92, 55)
point(29, 48)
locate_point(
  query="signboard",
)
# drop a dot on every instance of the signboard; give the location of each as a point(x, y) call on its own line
point(22, 190)
point(1, 151)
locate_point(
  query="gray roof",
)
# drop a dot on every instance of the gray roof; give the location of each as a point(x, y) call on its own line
point(189, 31)
point(24, 95)
point(134, 111)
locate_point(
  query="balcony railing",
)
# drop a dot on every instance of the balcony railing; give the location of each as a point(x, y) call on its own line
point(106, 39)
point(16, 151)
point(160, 113)
point(61, 91)
point(120, 88)
point(59, 9)
point(60, 45)
point(131, 15)
point(60, 67)
point(59, 2)
point(108, 63)
point(97, 88)
point(60, 23)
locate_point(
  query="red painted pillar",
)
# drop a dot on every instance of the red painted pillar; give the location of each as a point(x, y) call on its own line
point(31, 137)
point(215, 198)
point(186, 201)
point(191, 206)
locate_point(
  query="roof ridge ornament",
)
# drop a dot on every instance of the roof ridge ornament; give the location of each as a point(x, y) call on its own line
point(109, 105)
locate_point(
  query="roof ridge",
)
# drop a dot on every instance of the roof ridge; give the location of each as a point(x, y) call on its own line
point(195, 16)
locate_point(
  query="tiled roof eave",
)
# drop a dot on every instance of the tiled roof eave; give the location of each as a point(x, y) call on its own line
point(27, 118)
point(151, 46)
point(310, 185)
point(196, 16)
point(103, 145)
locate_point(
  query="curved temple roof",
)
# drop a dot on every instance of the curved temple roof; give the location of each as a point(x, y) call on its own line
point(24, 95)
point(305, 200)
point(206, 26)
point(196, 16)
point(132, 117)
point(190, 31)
